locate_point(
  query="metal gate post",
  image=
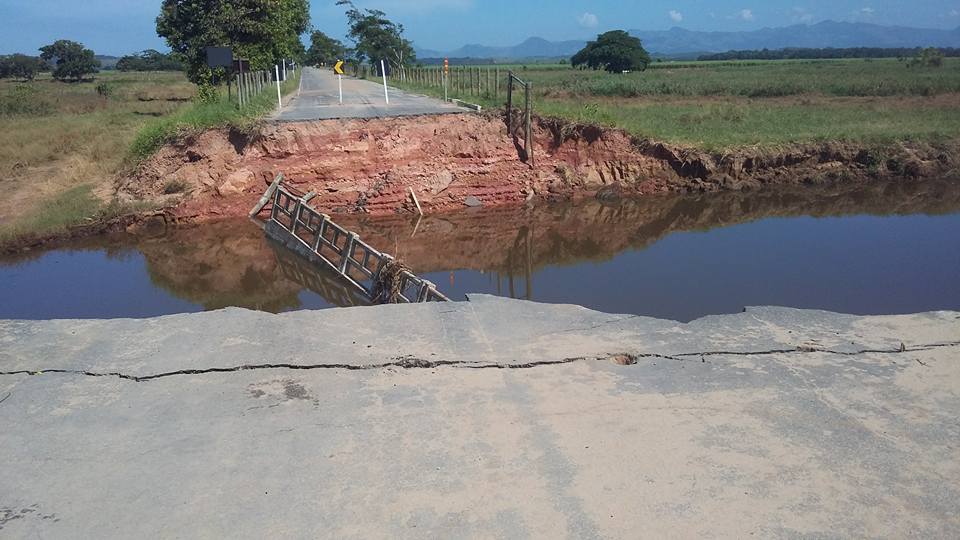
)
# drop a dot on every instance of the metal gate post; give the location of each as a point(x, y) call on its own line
point(528, 146)
point(510, 104)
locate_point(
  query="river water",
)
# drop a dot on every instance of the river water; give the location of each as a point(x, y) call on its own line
point(864, 249)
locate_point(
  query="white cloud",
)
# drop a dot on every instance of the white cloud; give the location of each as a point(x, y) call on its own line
point(802, 15)
point(868, 11)
point(676, 15)
point(954, 13)
point(746, 14)
point(588, 20)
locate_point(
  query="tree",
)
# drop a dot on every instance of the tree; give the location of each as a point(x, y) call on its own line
point(929, 57)
point(261, 31)
point(149, 60)
point(377, 38)
point(323, 50)
point(20, 66)
point(71, 60)
point(615, 51)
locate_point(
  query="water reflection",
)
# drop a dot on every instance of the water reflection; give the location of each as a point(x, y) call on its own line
point(588, 252)
point(515, 243)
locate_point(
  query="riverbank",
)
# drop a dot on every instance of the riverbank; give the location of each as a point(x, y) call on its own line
point(486, 418)
point(453, 161)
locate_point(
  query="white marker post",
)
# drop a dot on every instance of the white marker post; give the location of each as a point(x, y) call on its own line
point(276, 70)
point(383, 71)
point(340, 84)
point(284, 62)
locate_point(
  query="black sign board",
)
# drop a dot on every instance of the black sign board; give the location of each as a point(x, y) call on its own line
point(219, 57)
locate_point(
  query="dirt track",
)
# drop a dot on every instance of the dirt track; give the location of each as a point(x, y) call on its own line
point(369, 166)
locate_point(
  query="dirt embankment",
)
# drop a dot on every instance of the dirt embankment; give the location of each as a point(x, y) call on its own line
point(369, 166)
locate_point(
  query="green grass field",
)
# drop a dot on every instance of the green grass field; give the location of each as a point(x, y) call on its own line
point(64, 143)
point(721, 105)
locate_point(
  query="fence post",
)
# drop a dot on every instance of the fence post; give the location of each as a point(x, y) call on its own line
point(496, 85)
point(239, 92)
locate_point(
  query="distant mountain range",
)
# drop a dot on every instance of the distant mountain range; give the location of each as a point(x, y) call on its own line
point(680, 42)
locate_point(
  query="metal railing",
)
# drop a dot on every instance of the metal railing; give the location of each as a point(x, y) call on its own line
point(343, 251)
point(526, 118)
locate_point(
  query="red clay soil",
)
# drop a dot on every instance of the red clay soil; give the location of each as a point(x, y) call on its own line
point(369, 166)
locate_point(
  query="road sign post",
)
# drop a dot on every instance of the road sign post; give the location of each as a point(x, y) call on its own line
point(338, 69)
point(383, 71)
point(276, 70)
point(446, 78)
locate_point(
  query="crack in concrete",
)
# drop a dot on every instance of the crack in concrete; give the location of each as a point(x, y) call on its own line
point(412, 362)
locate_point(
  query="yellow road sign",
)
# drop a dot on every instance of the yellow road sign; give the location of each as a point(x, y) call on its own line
point(338, 69)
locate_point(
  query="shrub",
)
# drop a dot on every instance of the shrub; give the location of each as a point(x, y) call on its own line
point(24, 100)
point(174, 186)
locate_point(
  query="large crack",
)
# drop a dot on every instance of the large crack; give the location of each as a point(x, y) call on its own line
point(411, 362)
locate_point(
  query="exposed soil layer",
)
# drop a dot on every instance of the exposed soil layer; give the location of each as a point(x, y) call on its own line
point(449, 161)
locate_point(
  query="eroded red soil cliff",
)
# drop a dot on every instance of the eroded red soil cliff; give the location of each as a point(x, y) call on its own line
point(449, 161)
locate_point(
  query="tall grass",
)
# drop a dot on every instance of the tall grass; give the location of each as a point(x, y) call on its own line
point(205, 115)
point(725, 105)
point(722, 126)
point(757, 80)
point(752, 79)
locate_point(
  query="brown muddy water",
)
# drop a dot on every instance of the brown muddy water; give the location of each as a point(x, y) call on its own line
point(863, 249)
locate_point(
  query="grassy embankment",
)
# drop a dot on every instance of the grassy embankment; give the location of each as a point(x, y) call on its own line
point(63, 144)
point(724, 105)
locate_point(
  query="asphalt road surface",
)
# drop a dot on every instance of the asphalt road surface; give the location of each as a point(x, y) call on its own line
point(492, 418)
point(318, 99)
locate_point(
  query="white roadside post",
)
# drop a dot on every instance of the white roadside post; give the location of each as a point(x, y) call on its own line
point(340, 84)
point(284, 62)
point(276, 69)
point(383, 71)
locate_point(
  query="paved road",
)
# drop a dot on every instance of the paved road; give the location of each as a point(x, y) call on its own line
point(318, 99)
point(775, 423)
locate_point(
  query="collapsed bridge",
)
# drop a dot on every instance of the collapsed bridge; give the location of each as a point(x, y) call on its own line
point(378, 276)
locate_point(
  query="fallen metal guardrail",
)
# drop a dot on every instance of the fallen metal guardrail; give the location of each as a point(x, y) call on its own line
point(315, 236)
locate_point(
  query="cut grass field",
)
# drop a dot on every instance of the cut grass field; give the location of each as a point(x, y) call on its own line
point(64, 143)
point(724, 105)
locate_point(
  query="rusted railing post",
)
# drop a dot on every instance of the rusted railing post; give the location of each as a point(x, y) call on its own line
point(324, 218)
point(425, 288)
point(347, 252)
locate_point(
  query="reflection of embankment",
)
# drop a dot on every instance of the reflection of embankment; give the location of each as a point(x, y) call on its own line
point(518, 240)
point(232, 264)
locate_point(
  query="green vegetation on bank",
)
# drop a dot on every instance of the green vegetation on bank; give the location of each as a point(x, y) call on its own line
point(718, 105)
point(63, 143)
point(207, 114)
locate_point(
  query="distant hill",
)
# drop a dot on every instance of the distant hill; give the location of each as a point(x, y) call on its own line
point(681, 43)
point(820, 35)
point(531, 48)
point(107, 62)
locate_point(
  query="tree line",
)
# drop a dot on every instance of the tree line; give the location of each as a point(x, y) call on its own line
point(67, 60)
point(149, 60)
point(800, 53)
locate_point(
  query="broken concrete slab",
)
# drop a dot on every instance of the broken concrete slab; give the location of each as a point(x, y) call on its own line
point(485, 418)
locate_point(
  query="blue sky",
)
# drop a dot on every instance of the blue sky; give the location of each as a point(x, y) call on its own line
point(122, 26)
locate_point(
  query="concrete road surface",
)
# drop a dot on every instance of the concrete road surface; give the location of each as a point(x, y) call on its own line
point(492, 418)
point(318, 99)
